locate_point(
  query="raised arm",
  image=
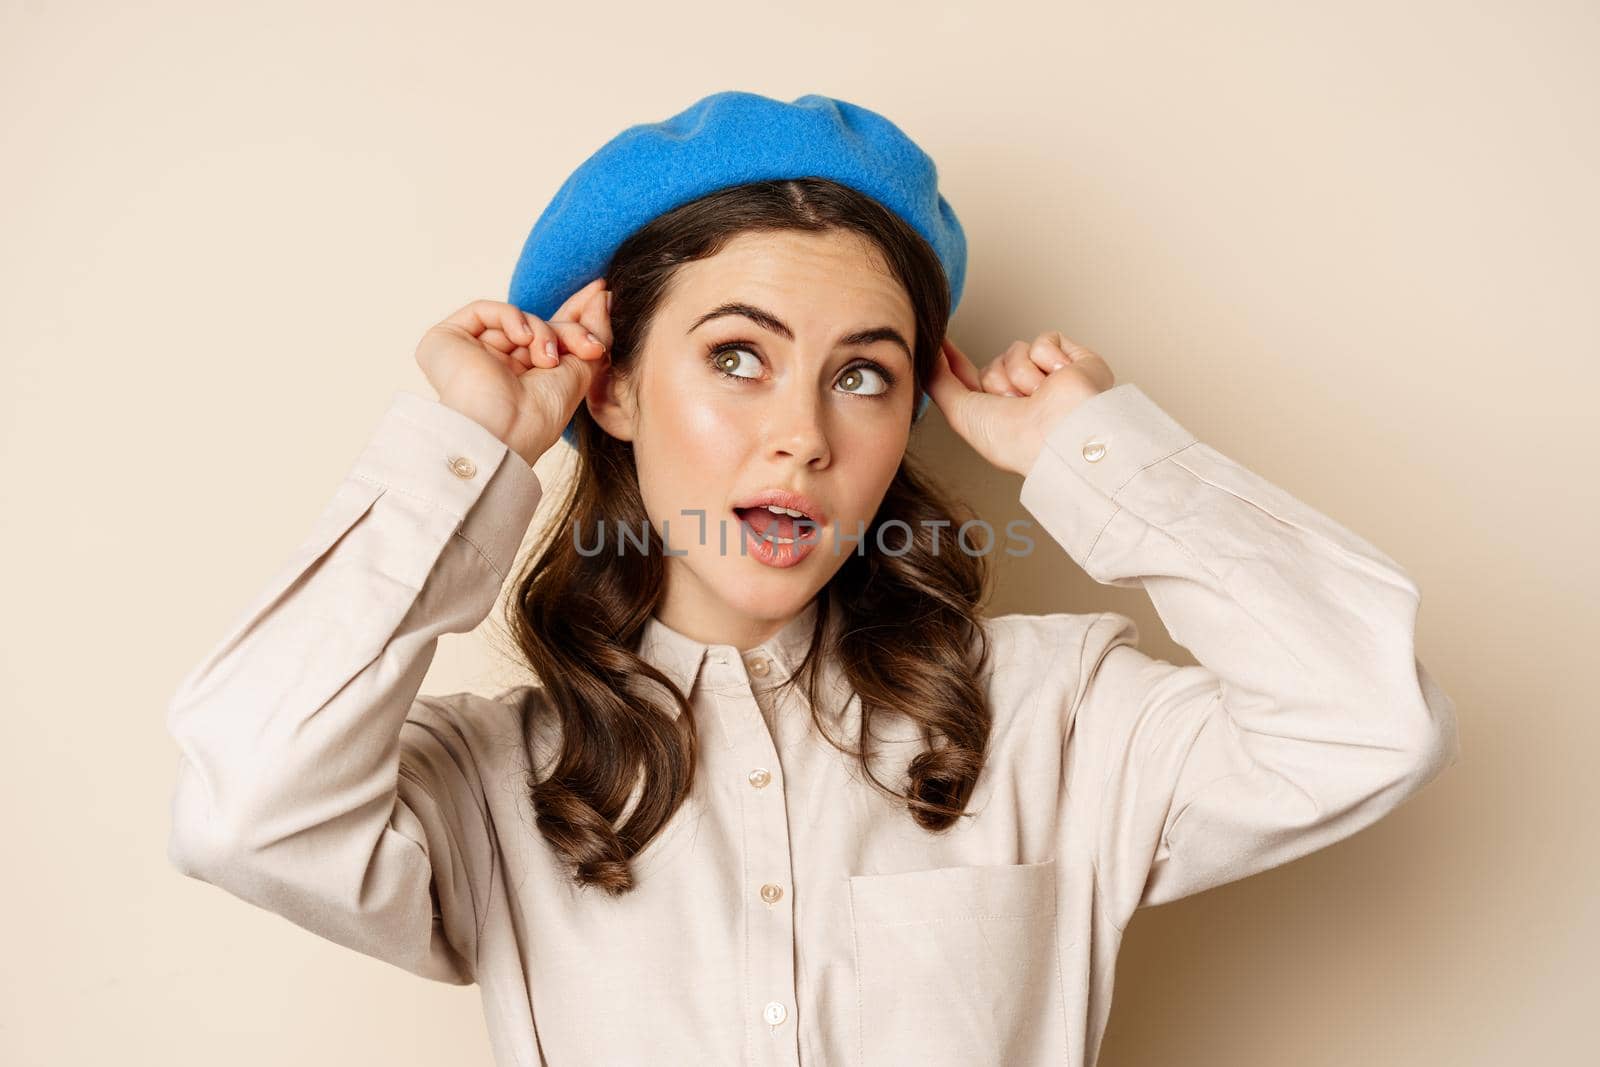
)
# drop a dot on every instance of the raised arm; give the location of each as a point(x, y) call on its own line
point(1309, 717)
point(313, 780)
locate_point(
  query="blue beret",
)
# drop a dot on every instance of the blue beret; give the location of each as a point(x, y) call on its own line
point(727, 138)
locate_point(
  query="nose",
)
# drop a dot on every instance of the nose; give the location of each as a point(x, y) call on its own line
point(797, 431)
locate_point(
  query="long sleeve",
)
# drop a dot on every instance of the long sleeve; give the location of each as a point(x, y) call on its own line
point(313, 781)
point(1309, 716)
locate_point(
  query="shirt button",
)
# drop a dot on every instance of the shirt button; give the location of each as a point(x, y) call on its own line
point(463, 467)
point(759, 777)
point(1094, 450)
point(771, 893)
point(758, 667)
point(774, 1013)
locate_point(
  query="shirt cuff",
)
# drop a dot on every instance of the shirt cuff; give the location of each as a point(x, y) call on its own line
point(431, 451)
point(1095, 450)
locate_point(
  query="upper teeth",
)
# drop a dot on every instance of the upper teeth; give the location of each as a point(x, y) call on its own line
point(776, 510)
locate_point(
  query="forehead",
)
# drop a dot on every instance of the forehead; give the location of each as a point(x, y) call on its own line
point(824, 277)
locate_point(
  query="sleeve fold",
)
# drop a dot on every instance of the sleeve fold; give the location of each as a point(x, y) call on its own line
point(313, 780)
point(1309, 715)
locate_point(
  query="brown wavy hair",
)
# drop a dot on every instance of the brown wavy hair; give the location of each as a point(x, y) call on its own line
point(908, 640)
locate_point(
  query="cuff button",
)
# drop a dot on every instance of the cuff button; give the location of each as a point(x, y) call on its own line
point(463, 467)
point(1094, 450)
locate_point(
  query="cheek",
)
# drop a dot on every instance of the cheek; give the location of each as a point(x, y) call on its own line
point(703, 446)
point(875, 453)
point(702, 432)
point(693, 423)
point(688, 454)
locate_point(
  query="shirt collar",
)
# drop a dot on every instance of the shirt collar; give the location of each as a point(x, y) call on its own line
point(691, 663)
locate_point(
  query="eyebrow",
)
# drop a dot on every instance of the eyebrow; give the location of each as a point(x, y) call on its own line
point(771, 322)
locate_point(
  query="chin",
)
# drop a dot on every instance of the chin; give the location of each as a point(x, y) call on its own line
point(762, 592)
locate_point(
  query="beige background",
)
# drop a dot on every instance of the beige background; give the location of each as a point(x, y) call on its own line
point(1350, 244)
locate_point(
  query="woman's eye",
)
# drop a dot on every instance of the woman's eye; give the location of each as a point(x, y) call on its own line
point(863, 379)
point(853, 380)
point(727, 361)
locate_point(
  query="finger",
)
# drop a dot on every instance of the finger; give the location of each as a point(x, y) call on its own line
point(497, 340)
point(480, 315)
point(509, 349)
point(962, 367)
point(1020, 369)
point(946, 387)
point(576, 338)
point(596, 317)
point(501, 327)
point(579, 375)
point(1096, 368)
point(519, 351)
point(1047, 354)
point(542, 344)
point(510, 328)
point(1073, 349)
point(958, 400)
point(1080, 358)
point(516, 360)
point(995, 378)
point(573, 305)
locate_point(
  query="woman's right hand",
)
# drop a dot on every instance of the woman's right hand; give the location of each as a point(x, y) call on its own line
point(489, 361)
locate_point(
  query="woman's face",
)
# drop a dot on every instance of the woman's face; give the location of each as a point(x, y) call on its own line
point(781, 364)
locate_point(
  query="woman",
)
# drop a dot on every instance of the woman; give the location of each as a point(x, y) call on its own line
point(779, 792)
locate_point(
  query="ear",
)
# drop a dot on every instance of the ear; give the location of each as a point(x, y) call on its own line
point(612, 403)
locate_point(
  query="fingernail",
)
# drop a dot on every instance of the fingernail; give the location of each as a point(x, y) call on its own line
point(550, 347)
point(1012, 392)
point(608, 301)
point(594, 339)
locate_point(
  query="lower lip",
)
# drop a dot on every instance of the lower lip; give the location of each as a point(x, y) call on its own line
point(775, 553)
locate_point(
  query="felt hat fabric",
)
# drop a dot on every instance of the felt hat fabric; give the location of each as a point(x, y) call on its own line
point(727, 138)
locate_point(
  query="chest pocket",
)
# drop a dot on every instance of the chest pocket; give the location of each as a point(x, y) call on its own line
point(958, 965)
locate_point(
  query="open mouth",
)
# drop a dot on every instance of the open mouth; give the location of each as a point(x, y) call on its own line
point(783, 526)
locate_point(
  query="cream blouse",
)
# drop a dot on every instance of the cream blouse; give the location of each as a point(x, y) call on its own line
point(789, 913)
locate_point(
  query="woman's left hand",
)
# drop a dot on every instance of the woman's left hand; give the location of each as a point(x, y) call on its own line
point(1005, 411)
